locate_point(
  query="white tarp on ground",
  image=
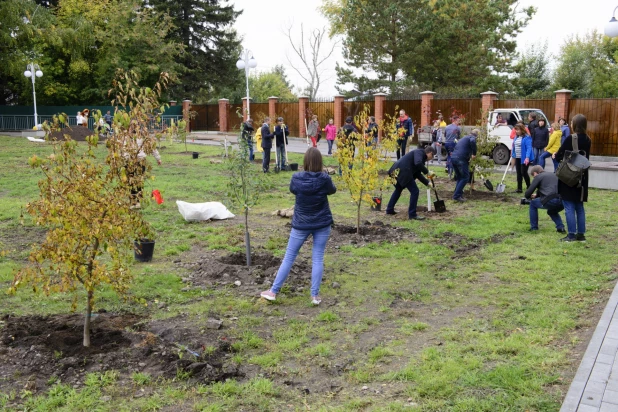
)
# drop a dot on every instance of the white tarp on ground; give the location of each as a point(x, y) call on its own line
point(195, 212)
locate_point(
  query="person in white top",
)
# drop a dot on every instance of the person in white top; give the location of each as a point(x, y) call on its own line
point(80, 118)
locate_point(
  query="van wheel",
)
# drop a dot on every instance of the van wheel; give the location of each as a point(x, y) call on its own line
point(501, 154)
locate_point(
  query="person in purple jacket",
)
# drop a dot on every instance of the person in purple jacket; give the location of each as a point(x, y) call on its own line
point(312, 216)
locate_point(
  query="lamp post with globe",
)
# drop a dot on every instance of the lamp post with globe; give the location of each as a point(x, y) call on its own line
point(33, 71)
point(611, 28)
point(245, 62)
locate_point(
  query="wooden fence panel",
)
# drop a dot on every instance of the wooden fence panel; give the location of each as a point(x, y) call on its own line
point(207, 117)
point(289, 112)
point(412, 108)
point(602, 115)
point(468, 109)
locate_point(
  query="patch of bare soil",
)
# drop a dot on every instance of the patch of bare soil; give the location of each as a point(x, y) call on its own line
point(35, 348)
point(78, 133)
point(370, 232)
point(231, 271)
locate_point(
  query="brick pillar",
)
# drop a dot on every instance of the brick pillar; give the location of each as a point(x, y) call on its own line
point(244, 108)
point(302, 112)
point(272, 106)
point(426, 98)
point(223, 109)
point(380, 98)
point(338, 111)
point(186, 107)
point(562, 104)
point(487, 102)
point(173, 103)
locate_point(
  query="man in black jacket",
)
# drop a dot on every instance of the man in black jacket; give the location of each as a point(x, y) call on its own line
point(547, 197)
point(411, 167)
point(540, 138)
point(267, 144)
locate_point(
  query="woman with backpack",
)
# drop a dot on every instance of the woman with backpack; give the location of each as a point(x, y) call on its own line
point(312, 216)
point(573, 197)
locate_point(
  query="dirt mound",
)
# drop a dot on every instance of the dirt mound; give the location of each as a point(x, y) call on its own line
point(369, 233)
point(231, 271)
point(35, 348)
point(78, 133)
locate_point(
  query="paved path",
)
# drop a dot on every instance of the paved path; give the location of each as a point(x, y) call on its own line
point(595, 386)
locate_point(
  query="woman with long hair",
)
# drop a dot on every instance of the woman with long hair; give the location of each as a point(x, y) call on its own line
point(312, 216)
point(522, 154)
point(573, 197)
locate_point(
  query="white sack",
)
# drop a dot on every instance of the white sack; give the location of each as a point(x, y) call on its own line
point(194, 212)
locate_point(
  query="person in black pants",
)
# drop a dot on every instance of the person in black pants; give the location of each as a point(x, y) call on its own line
point(410, 167)
point(267, 144)
point(522, 155)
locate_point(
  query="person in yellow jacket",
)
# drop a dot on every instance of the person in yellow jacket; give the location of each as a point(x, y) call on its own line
point(552, 146)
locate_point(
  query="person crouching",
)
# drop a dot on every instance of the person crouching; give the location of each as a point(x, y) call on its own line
point(546, 197)
point(411, 167)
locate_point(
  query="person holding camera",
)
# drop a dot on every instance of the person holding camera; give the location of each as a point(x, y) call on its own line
point(546, 197)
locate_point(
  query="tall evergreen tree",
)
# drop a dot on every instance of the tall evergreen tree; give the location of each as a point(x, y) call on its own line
point(211, 45)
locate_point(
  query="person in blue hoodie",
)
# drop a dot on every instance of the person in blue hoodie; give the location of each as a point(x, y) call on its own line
point(281, 139)
point(312, 216)
point(267, 144)
point(522, 155)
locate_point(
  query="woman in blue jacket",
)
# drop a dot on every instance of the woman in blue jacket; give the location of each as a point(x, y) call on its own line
point(312, 216)
point(523, 155)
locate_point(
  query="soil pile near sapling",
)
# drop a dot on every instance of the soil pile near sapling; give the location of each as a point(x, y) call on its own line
point(370, 232)
point(226, 271)
point(77, 133)
point(35, 348)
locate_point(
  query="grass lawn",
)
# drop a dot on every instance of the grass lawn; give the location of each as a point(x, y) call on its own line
point(465, 311)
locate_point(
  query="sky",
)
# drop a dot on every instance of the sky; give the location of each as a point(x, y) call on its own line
point(263, 26)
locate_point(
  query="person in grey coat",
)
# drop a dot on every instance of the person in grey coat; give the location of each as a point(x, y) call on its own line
point(546, 197)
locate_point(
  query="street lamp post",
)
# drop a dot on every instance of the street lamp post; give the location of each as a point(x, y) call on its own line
point(246, 61)
point(611, 28)
point(33, 71)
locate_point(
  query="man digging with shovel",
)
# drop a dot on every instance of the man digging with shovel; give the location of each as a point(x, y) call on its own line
point(411, 167)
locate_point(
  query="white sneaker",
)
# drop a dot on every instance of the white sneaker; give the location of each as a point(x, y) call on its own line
point(316, 300)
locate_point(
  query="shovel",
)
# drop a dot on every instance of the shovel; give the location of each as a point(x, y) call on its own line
point(502, 187)
point(486, 182)
point(438, 204)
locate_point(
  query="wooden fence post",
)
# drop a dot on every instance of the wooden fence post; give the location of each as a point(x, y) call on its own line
point(272, 106)
point(338, 111)
point(380, 98)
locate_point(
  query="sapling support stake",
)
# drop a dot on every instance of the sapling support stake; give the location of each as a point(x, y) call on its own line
point(247, 237)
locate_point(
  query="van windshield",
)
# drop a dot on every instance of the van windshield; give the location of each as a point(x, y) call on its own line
point(539, 115)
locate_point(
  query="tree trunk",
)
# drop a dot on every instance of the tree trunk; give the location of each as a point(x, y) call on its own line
point(247, 238)
point(358, 212)
point(87, 321)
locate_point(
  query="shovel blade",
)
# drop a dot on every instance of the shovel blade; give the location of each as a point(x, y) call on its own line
point(489, 185)
point(439, 206)
point(501, 188)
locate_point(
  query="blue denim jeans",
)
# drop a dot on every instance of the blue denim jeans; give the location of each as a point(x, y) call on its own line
point(575, 217)
point(330, 146)
point(281, 157)
point(449, 146)
point(249, 149)
point(553, 207)
point(544, 156)
point(462, 175)
point(297, 238)
point(413, 189)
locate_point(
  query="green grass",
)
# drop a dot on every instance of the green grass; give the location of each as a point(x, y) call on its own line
point(433, 329)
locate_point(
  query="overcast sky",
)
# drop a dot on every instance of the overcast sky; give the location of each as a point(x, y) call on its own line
point(263, 24)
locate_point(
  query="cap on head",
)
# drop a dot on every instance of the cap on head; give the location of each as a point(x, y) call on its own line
point(475, 132)
point(348, 119)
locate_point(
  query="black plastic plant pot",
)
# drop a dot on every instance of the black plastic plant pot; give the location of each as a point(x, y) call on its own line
point(144, 249)
point(196, 155)
point(294, 167)
point(378, 204)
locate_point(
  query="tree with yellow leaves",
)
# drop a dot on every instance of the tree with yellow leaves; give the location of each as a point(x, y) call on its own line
point(85, 203)
point(359, 161)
